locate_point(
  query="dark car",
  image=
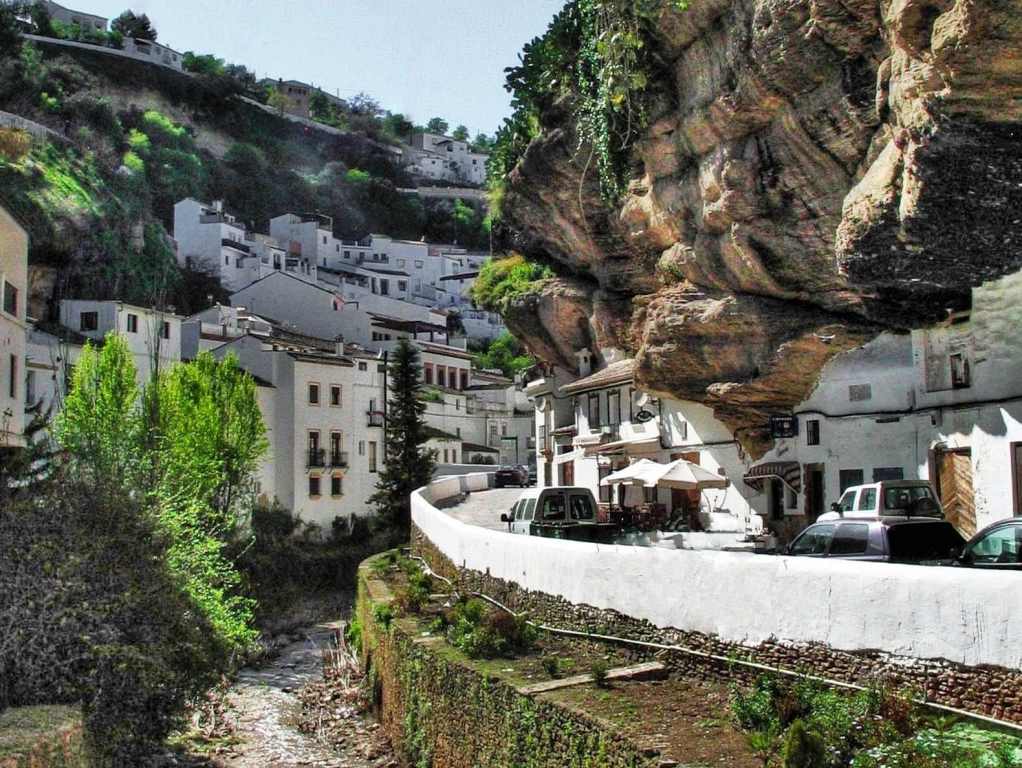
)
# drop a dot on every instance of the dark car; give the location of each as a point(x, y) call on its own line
point(508, 475)
point(885, 539)
point(996, 547)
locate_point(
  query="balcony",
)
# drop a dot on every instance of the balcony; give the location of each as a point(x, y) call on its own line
point(374, 418)
point(227, 243)
point(316, 458)
point(338, 459)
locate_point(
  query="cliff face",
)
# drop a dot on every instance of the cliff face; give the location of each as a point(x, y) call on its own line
point(816, 171)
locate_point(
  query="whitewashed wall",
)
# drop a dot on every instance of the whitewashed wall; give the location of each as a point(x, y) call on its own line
point(969, 617)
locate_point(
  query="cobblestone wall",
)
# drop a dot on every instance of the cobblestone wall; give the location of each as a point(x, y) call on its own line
point(440, 710)
point(992, 691)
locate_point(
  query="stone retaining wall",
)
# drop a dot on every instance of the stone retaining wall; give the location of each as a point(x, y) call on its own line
point(989, 690)
point(438, 710)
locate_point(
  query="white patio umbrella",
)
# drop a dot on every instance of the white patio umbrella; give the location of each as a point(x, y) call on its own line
point(683, 475)
point(629, 473)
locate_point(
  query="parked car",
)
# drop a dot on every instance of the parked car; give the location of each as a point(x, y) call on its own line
point(997, 547)
point(881, 539)
point(532, 474)
point(508, 475)
point(560, 512)
point(887, 497)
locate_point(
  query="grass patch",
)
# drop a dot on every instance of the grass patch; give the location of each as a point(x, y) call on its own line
point(21, 728)
point(501, 281)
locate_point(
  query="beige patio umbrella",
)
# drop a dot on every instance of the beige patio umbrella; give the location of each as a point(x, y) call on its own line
point(629, 474)
point(681, 474)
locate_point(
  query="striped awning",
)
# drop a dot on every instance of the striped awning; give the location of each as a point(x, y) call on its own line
point(788, 472)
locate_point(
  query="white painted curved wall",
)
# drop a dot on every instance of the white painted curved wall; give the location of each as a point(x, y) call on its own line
point(965, 616)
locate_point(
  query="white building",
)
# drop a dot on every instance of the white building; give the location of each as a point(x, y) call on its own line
point(13, 329)
point(324, 413)
point(52, 353)
point(445, 159)
point(153, 336)
point(86, 21)
point(213, 241)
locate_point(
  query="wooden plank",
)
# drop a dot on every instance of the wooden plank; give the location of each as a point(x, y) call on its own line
point(649, 669)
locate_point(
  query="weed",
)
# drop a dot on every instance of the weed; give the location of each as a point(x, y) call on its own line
point(599, 669)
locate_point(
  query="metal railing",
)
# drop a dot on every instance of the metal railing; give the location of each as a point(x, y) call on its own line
point(374, 418)
point(316, 458)
point(338, 458)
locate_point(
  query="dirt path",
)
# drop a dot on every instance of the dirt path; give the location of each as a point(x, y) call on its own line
point(265, 710)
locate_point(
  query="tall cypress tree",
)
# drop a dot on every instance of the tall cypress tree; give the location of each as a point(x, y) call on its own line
point(409, 465)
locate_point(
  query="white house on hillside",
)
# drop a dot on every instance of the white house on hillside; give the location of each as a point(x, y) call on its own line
point(324, 412)
point(445, 159)
point(13, 328)
point(154, 337)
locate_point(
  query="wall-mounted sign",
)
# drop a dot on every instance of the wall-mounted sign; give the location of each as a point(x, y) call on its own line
point(643, 416)
point(783, 426)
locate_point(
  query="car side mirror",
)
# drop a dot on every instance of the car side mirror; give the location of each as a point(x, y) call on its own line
point(504, 518)
point(964, 557)
point(835, 507)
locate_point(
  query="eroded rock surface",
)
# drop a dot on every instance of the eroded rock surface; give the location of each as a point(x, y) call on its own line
point(818, 170)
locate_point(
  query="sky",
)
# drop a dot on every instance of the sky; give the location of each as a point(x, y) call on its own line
point(424, 59)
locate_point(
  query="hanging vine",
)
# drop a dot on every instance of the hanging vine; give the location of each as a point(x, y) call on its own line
point(595, 50)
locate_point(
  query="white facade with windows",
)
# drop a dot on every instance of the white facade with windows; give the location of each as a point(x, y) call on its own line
point(323, 413)
point(13, 329)
point(445, 159)
point(153, 337)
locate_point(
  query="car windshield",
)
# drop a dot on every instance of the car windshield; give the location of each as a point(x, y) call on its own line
point(1000, 546)
point(923, 541)
point(905, 497)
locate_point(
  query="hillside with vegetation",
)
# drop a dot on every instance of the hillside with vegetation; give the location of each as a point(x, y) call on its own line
point(130, 139)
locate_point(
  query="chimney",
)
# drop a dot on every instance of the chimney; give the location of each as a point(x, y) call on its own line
point(339, 348)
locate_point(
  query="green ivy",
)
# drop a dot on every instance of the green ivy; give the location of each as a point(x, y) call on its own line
point(597, 51)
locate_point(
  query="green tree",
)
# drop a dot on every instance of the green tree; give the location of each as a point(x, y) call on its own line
point(212, 435)
point(277, 100)
point(460, 133)
point(42, 21)
point(438, 125)
point(408, 465)
point(398, 126)
point(129, 24)
point(100, 427)
point(203, 64)
point(506, 354)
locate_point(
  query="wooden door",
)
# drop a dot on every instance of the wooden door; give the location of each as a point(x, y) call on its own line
point(954, 477)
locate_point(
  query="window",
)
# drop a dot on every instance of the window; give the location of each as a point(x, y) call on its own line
point(581, 508)
point(402, 285)
point(850, 540)
point(457, 431)
point(888, 473)
point(314, 394)
point(813, 432)
point(847, 503)
point(384, 287)
point(132, 323)
point(361, 447)
point(88, 321)
point(10, 299)
point(324, 239)
point(335, 395)
point(905, 498)
point(858, 393)
point(814, 541)
point(867, 500)
point(961, 374)
point(418, 264)
point(922, 541)
point(372, 456)
point(441, 376)
point(445, 455)
point(12, 384)
point(165, 330)
point(594, 411)
point(553, 508)
point(336, 485)
point(849, 477)
point(1000, 546)
point(347, 254)
point(313, 486)
point(614, 407)
point(791, 497)
point(335, 448)
point(464, 379)
point(30, 388)
point(400, 263)
point(363, 367)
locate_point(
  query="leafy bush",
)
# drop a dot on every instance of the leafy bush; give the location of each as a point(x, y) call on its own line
point(803, 748)
point(502, 280)
point(481, 632)
point(552, 666)
point(383, 614)
point(506, 354)
point(598, 668)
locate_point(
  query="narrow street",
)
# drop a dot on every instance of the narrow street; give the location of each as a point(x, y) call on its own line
point(484, 508)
